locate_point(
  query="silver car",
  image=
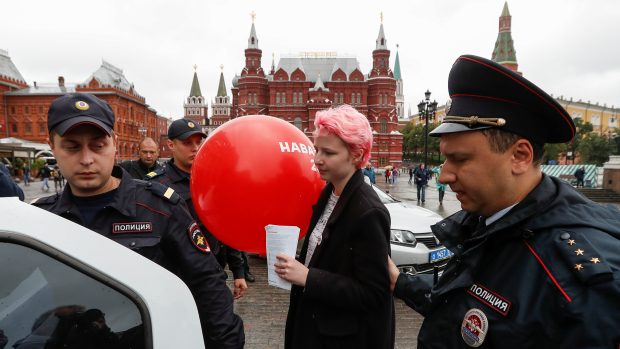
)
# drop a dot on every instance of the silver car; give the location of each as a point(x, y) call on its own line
point(415, 249)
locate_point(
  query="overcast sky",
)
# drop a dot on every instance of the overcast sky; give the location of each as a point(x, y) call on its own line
point(567, 47)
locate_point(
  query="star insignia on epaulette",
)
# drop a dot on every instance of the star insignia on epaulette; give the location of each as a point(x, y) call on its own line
point(578, 266)
point(571, 242)
point(595, 260)
point(579, 252)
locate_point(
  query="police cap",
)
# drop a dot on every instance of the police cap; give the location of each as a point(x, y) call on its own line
point(485, 95)
point(79, 108)
point(183, 128)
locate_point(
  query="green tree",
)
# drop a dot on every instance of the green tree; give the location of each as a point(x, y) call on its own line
point(553, 151)
point(594, 148)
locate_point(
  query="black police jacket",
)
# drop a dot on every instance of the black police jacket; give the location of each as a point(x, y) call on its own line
point(170, 175)
point(545, 275)
point(137, 169)
point(166, 234)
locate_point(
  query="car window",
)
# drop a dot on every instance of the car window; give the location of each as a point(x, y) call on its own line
point(385, 198)
point(45, 303)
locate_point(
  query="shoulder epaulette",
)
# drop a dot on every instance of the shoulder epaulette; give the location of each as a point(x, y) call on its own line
point(163, 191)
point(583, 257)
point(155, 173)
point(46, 200)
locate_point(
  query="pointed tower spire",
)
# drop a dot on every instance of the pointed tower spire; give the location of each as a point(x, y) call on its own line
point(400, 98)
point(195, 90)
point(221, 89)
point(381, 41)
point(253, 39)
point(273, 63)
point(397, 66)
point(504, 52)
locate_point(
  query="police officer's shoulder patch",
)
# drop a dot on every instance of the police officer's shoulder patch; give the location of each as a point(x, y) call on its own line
point(582, 256)
point(163, 191)
point(155, 173)
point(198, 238)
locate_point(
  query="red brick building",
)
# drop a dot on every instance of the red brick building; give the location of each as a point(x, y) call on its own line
point(23, 108)
point(300, 86)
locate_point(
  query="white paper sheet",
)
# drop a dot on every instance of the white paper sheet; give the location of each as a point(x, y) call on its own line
point(280, 239)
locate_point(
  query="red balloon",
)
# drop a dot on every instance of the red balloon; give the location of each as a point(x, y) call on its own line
point(254, 171)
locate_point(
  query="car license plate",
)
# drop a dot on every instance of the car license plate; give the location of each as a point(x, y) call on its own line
point(438, 255)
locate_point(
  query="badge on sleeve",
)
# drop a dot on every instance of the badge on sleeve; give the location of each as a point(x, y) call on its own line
point(198, 238)
point(474, 327)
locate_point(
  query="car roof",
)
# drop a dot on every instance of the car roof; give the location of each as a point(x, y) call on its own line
point(172, 310)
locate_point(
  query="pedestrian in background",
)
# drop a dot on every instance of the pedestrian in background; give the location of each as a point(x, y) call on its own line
point(370, 173)
point(421, 175)
point(27, 173)
point(57, 176)
point(148, 153)
point(536, 264)
point(45, 173)
point(394, 175)
point(441, 187)
point(410, 174)
point(105, 199)
point(340, 296)
point(580, 174)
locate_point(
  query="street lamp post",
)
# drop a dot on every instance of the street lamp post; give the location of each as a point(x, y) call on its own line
point(427, 110)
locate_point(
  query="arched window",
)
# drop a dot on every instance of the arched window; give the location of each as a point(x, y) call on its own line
point(277, 97)
point(298, 122)
point(383, 126)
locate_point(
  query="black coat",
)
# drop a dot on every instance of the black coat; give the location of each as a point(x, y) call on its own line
point(137, 169)
point(346, 302)
point(545, 275)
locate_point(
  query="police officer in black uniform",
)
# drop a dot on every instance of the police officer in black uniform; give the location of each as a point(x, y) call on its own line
point(184, 140)
point(147, 217)
point(148, 152)
point(535, 264)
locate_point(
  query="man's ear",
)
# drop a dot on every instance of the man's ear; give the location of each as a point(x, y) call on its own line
point(522, 156)
point(50, 140)
point(170, 144)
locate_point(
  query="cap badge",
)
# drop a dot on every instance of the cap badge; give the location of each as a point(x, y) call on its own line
point(474, 327)
point(190, 124)
point(81, 105)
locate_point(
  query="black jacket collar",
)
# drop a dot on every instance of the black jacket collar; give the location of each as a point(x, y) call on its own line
point(124, 200)
point(176, 174)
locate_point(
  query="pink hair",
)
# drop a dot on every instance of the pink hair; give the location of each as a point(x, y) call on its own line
point(349, 125)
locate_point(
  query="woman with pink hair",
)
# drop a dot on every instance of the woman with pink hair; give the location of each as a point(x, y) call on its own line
point(340, 295)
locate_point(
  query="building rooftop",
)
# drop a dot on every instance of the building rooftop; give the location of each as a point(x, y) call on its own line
point(323, 65)
point(7, 68)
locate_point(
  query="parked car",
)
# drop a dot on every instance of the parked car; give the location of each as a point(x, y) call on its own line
point(415, 249)
point(67, 285)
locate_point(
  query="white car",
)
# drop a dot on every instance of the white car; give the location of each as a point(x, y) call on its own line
point(64, 285)
point(415, 249)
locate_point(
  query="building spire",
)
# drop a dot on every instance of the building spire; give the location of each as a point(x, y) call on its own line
point(504, 52)
point(397, 66)
point(273, 63)
point(221, 89)
point(195, 90)
point(381, 41)
point(253, 39)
